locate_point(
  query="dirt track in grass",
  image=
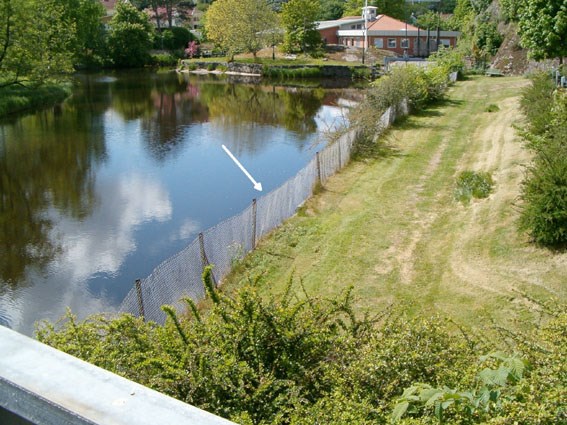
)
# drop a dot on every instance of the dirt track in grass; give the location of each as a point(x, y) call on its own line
point(391, 226)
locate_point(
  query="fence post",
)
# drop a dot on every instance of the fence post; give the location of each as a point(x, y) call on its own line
point(140, 299)
point(254, 212)
point(319, 181)
point(204, 259)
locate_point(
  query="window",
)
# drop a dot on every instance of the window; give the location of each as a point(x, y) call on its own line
point(445, 42)
point(392, 43)
point(359, 27)
point(405, 43)
point(379, 43)
point(352, 27)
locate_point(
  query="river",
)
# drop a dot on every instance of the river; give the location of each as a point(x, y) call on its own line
point(98, 191)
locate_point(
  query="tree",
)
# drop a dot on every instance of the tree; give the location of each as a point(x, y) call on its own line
point(542, 26)
point(298, 19)
point(395, 8)
point(88, 41)
point(331, 9)
point(35, 41)
point(249, 33)
point(130, 37)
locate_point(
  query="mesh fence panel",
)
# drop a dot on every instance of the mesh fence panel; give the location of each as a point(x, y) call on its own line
point(229, 241)
point(232, 239)
point(282, 202)
point(176, 277)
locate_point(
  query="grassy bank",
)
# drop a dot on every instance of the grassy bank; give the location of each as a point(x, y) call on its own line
point(16, 98)
point(392, 227)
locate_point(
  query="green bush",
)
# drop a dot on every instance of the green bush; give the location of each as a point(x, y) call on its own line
point(544, 190)
point(291, 73)
point(471, 184)
point(415, 85)
point(174, 38)
point(535, 102)
point(296, 359)
point(20, 98)
point(164, 59)
point(492, 108)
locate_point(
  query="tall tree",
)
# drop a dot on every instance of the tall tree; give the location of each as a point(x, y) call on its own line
point(249, 33)
point(85, 16)
point(299, 21)
point(542, 25)
point(35, 41)
point(331, 9)
point(130, 37)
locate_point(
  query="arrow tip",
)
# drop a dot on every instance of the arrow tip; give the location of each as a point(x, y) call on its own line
point(258, 186)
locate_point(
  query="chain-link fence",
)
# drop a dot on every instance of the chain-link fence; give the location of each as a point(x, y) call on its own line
point(229, 241)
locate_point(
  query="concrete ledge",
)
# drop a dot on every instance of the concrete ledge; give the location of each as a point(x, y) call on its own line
point(46, 386)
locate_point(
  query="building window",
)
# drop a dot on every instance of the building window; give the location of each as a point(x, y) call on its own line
point(353, 27)
point(405, 43)
point(445, 42)
point(359, 27)
point(392, 43)
point(379, 43)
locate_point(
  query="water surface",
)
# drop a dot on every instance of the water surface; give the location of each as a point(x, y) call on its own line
point(98, 191)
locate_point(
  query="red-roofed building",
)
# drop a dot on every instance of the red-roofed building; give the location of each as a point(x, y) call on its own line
point(384, 32)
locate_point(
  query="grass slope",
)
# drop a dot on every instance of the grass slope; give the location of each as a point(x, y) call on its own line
point(391, 227)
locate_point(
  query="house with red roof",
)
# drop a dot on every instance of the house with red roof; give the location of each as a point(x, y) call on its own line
point(386, 33)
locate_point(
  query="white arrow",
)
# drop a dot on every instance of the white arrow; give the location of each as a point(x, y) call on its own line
point(257, 185)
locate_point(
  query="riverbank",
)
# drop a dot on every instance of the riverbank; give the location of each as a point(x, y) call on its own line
point(391, 226)
point(18, 99)
point(279, 69)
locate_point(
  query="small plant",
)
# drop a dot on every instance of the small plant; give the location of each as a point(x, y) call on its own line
point(486, 397)
point(471, 184)
point(492, 108)
point(211, 67)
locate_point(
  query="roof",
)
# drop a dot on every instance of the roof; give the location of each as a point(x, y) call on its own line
point(387, 23)
point(381, 23)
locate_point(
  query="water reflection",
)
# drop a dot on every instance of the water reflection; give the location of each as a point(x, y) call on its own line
point(43, 165)
point(100, 190)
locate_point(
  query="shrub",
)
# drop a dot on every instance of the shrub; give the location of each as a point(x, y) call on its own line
point(544, 189)
point(164, 59)
point(492, 108)
point(471, 184)
point(297, 359)
point(174, 38)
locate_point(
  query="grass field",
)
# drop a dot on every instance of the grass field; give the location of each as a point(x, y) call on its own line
point(391, 226)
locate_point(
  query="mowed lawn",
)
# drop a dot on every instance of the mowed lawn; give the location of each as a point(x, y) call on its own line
point(390, 226)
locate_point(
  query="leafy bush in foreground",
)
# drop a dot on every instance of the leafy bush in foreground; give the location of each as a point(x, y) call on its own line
point(304, 360)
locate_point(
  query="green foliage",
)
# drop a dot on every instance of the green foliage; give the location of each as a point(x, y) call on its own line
point(450, 59)
point(130, 37)
point(254, 29)
point(544, 190)
point(36, 42)
point(282, 73)
point(299, 21)
point(471, 184)
point(164, 59)
point(486, 38)
point(492, 108)
point(296, 359)
point(415, 86)
point(17, 98)
point(331, 9)
point(174, 38)
point(473, 403)
point(542, 26)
